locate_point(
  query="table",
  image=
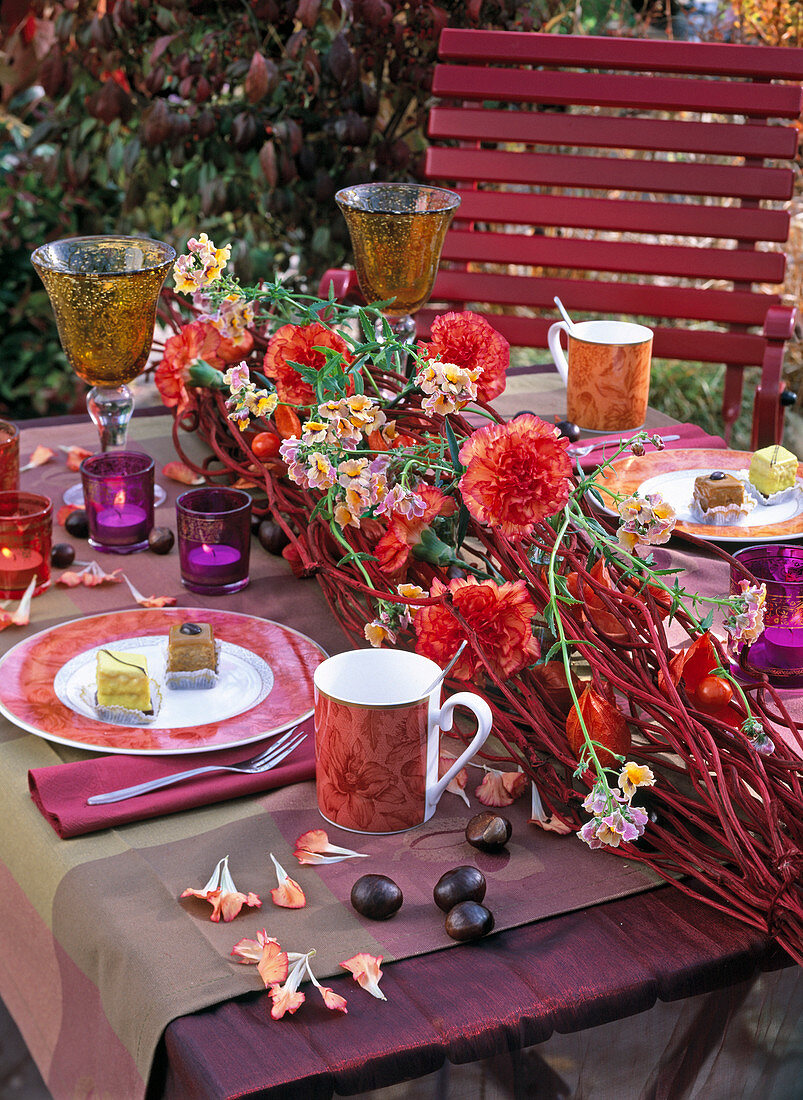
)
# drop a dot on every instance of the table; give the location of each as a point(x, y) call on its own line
point(468, 1004)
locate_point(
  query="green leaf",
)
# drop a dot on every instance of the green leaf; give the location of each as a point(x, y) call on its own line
point(454, 450)
point(463, 520)
point(706, 622)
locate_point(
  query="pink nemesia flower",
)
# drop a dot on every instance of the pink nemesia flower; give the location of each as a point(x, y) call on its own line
point(284, 1000)
point(633, 776)
point(367, 972)
point(221, 893)
point(746, 622)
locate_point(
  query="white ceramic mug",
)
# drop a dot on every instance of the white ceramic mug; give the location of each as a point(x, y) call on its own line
point(607, 374)
point(377, 739)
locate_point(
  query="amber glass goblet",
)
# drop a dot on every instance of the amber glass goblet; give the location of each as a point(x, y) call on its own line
point(104, 291)
point(397, 232)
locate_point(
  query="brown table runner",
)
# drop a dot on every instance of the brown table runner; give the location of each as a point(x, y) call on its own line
point(101, 955)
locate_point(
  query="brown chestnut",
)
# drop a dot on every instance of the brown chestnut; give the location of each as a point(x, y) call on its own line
point(62, 555)
point(460, 884)
point(271, 536)
point(469, 921)
point(376, 897)
point(76, 524)
point(160, 540)
point(488, 832)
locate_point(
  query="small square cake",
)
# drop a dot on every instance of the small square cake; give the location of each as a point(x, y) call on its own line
point(122, 680)
point(718, 490)
point(772, 469)
point(191, 647)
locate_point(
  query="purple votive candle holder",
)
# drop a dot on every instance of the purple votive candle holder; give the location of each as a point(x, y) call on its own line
point(778, 652)
point(9, 456)
point(26, 526)
point(118, 497)
point(214, 540)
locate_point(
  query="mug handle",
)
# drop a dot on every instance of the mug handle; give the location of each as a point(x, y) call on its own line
point(556, 351)
point(482, 712)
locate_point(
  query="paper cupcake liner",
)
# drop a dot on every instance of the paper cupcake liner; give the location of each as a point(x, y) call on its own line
point(792, 495)
point(722, 515)
point(124, 716)
point(182, 680)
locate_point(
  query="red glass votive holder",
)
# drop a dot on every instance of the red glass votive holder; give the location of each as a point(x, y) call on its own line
point(778, 652)
point(9, 456)
point(26, 527)
point(214, 540)
point(118, 497)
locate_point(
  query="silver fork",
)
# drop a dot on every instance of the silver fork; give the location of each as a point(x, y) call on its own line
point(581, 452)
point(262, 762)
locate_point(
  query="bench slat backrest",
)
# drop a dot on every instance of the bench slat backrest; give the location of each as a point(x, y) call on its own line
point(574, 161)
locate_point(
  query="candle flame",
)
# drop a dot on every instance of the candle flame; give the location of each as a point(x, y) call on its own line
point(5, 552)
point(119, 499)
point(207, 549)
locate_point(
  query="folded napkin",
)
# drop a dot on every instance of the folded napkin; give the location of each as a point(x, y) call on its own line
point(690, 437)
point(61, 791)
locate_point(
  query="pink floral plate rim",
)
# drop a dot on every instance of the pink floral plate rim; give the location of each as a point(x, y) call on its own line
point(28, 699)
point(627, 474)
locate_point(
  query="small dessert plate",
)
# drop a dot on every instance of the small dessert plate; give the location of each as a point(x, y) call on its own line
point(672, 474)
point(269, 667)
point(244, 680)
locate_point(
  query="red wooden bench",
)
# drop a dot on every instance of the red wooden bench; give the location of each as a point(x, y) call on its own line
point(631, 177)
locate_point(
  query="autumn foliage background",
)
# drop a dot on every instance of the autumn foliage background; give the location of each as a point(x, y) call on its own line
point(163, 118)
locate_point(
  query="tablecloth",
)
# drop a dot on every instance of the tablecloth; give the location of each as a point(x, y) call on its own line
point(103, 956)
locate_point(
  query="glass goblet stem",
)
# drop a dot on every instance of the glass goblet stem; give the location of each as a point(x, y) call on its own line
point(110, 409)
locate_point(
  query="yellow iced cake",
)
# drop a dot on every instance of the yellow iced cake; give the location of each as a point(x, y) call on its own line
point(122, 680)
point(772, 469)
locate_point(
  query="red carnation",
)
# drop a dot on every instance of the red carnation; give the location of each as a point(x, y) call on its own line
point(499, 614)
point(517, 474)
point(297, 344)
point(468, 341)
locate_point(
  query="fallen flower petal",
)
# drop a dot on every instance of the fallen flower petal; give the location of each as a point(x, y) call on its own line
point(250, 951)
point(333, 1000)
point(548, 822)
point(22, 615)
point(64, 511)
point(501, 788)
point(40, 456)
point(179, 471)
point(367, 972)
point(75, 456)
point(288, 893)
point(91, 576)
point(457, 783)
point(284, 1000)
point(221, 893)
point(273, 966)
point(316, 842)
point(149, 601)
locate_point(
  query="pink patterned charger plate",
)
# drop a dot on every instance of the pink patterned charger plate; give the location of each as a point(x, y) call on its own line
point(28, 698)
point(672, 474)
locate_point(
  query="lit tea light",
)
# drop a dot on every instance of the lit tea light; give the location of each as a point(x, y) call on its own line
point(18, 567)
point(122, 524)
point(784, 646)
point(215, 563)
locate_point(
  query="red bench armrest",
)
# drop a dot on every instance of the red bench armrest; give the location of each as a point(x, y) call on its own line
point(768, 411)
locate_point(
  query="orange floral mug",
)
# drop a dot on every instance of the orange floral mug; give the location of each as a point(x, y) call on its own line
point(377, 739)
point(607, 375)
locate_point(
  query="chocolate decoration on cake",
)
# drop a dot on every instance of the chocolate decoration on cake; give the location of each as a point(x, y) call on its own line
point(717, 475)
point(190, 628)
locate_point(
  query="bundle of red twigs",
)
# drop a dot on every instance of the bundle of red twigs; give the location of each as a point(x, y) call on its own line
point(727, 823)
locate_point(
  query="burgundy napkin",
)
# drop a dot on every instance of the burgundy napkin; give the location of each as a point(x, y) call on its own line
point(690, 437)
point(61, 791)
